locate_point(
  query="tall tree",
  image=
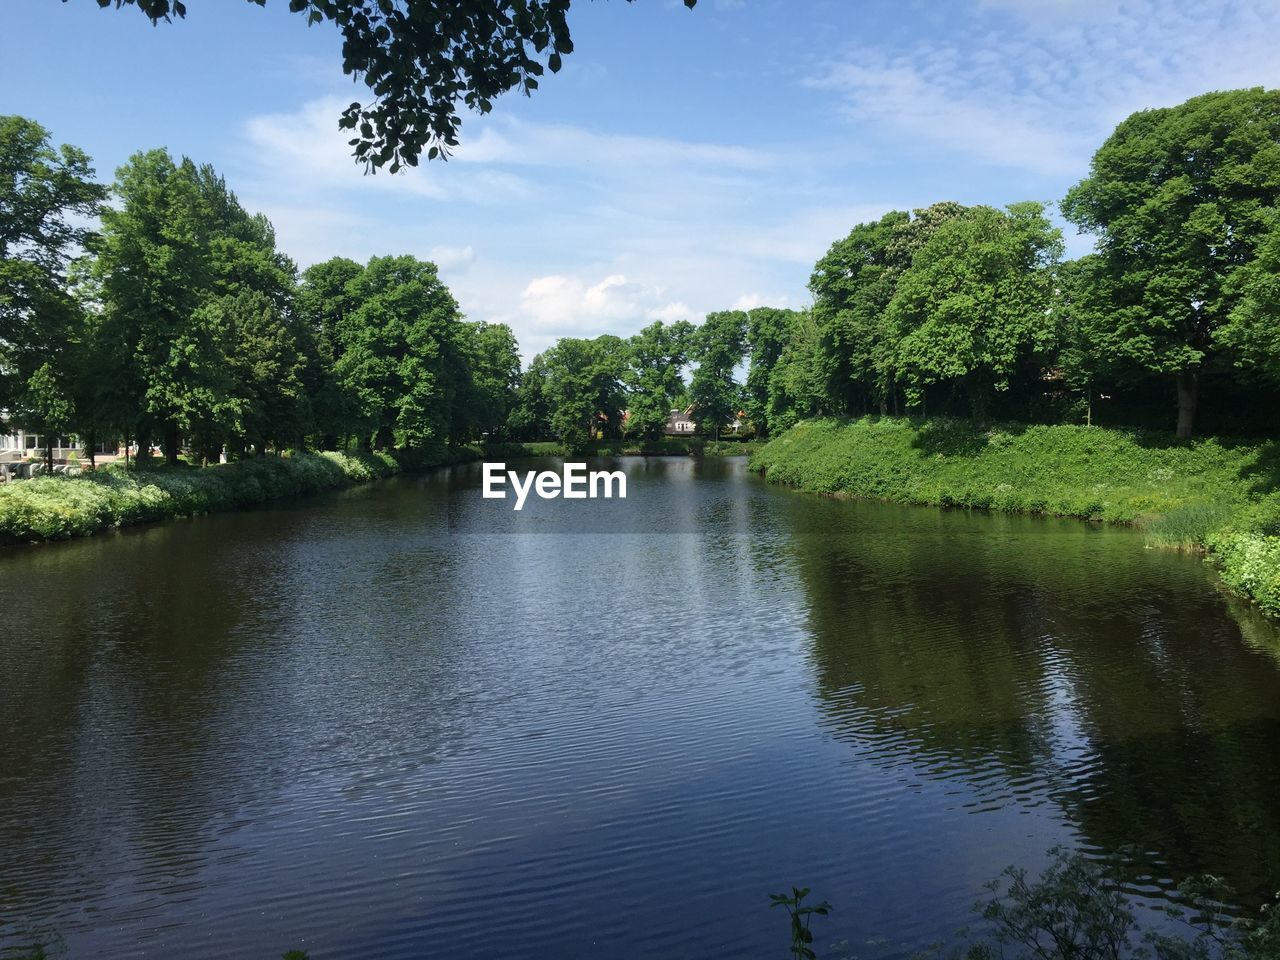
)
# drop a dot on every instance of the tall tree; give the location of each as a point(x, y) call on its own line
point(769, 330)
point(656, 358)
point(1180, 199)
point(974, 305)
point(852, 286)
point(47, 193)
point(265, 403)
point(421, 58)
point(583, 389)
point(530, 419)
point(719, 345)
point(154, 271)
point(797, 383)
point(493, 367)
point(326, 300)
point(402, 353)
point(178, 241)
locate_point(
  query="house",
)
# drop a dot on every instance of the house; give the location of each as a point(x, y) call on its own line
point(20, 444)
point(680, 423)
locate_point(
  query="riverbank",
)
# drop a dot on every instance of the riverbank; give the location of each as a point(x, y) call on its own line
point(60, 507)
point(1218, 496)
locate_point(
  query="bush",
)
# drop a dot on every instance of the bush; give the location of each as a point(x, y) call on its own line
point(58, 507)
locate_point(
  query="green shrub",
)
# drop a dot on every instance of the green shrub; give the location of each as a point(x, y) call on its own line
point(58, 507)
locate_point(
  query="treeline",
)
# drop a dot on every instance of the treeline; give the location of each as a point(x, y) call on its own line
point(972, 311)
point(611, 387)
point(178, 320)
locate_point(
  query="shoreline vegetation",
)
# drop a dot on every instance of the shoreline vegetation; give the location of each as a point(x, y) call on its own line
point(56, 507)
point(1215, 496)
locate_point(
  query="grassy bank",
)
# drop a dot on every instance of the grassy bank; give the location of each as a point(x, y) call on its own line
point(1219, 496)
point(57, 507)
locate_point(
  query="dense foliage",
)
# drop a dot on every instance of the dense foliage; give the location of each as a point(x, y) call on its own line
point(420, 58)
point(1181, 199)
point(58, 507)
point(180, 321)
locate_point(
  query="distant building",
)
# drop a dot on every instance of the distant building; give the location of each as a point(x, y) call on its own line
point(20, 444)
point(680, 423)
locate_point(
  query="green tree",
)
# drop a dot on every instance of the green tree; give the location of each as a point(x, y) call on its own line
point(852, 286)
point(1251, 334)
point(265, 402)
point(493, 366)
point(43, 408)
point(583, 388)
point(656, 358)
point(798, 383)
point(719, 345)
point(974, 305)
point(1081, 307)
point(178, 241)
point(402, 353)
point(325, 302)
point(421, 58)
point(46, 194)
point(1181, 198)
point(530, 419)
point(154, 271)
point(769, 330)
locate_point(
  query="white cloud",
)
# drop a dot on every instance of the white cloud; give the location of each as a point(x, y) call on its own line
point(555, 229)
point(1040, 90)
point(569, 306)
point(749, 301)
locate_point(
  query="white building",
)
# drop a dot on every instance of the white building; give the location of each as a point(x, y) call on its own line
point(20, 444)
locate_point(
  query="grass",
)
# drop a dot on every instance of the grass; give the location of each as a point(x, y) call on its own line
point(1214, 495)
point(59, 507)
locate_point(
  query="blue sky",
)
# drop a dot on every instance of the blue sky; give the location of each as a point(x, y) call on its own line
point(681, 162)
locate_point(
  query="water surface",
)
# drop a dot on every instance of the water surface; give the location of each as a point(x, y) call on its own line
point(406, 722)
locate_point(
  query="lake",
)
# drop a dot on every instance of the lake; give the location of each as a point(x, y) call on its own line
point(403, 721)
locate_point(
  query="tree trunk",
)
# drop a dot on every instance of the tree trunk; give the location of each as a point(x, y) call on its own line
point(89, 444)
point(48, 454)
point(1188, 397)
point(171, 444)
point(978, 399)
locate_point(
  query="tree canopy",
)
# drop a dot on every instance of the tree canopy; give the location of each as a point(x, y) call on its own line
point(421, 58)
point(1181, 198)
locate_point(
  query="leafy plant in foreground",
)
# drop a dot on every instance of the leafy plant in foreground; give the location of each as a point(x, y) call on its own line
point(800, 915)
